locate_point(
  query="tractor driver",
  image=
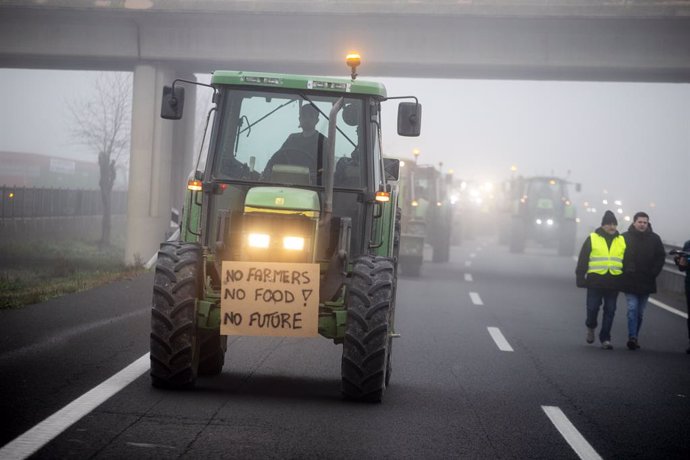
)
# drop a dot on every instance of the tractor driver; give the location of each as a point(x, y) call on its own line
point(302, 149)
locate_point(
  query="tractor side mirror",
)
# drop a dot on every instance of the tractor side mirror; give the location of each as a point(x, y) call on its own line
point(409, 119)
point(392, 168)
point(172, 103)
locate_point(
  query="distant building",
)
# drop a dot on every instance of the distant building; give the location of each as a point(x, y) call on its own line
point(19, 169)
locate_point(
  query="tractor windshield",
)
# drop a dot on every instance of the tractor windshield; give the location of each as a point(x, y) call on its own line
point(546, 194)
point(281, 138)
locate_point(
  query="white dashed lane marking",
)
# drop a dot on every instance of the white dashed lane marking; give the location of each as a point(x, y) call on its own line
point(468, 263)
point(476, 299)
point(501, 341)
point(468, 277)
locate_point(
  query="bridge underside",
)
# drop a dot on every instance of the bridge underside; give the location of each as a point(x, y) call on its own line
point(402, 45)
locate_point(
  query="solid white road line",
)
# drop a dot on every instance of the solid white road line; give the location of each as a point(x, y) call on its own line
point(666, 307)
point(501, 341)
point(41, 434)
point(579, 444)
point(476, 299)
point(468, 277)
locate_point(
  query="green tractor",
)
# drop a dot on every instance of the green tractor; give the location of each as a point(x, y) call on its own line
point(543, 212)
point(413, 225)
point(284, 233)
point(426, 216)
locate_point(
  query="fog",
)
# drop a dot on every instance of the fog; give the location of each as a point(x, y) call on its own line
point(631, 140)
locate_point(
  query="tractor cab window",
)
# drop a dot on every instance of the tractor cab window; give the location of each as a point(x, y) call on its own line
point(545, 194)
point(282, 138)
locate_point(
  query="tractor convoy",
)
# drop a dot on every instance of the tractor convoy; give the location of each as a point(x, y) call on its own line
point(301, 234)
point(285, 233)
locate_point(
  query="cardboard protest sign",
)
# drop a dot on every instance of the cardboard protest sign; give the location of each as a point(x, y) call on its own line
point(269, 298)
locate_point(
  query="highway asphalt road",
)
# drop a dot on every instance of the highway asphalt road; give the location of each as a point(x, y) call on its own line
point(491, 363)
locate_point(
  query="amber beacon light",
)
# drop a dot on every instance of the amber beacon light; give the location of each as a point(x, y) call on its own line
point(353, 60)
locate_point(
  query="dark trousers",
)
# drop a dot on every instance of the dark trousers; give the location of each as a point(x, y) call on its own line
point(595, 298)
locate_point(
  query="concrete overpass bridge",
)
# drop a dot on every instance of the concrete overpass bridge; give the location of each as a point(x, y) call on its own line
point(159, 40)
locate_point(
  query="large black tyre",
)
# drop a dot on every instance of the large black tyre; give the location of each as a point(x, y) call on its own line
point(412, 268)
point(176, 286)
point(367, 344)
point(517, 236)
point(441, 251)
point(566, 240)
point(211, 351)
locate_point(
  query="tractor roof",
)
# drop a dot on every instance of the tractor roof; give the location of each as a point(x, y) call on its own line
point(288, 81)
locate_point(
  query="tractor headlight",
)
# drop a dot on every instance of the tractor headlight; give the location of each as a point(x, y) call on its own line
point(538, 221)
point(549, 221)
point(293, 243)
point(259, 240)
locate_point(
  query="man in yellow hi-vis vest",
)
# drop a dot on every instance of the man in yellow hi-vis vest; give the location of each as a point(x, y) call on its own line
point(599, 269)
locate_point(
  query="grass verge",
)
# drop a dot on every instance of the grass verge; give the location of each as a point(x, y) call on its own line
point(37, 271)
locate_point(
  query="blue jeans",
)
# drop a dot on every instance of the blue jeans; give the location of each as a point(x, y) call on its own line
point(636, 306)
point(595, 297)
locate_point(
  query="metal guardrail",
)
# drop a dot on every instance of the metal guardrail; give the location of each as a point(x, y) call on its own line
point(32, 202)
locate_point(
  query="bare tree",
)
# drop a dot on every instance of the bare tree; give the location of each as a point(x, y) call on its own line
point(102, 122)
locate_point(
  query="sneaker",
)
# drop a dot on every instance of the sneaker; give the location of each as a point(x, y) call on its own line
point(606, 345)
point(632, 344)
point(590, 335)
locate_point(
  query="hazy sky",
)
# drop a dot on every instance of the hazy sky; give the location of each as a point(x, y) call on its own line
point(632, 139)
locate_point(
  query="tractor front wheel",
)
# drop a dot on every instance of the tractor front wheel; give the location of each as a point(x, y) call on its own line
point(367, 344)
point(176, 287)
point(211, 351)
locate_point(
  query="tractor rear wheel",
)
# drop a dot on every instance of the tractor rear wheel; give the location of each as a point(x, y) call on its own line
point(566, 241)
point(174, 338)
point(517, 235)
point(367, 344)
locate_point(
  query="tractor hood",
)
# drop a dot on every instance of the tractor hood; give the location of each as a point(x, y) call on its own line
point(282, 199)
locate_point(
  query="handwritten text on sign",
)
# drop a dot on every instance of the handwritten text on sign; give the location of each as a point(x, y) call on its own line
point(269, 298)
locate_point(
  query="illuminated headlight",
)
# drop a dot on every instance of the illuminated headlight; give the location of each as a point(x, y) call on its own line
point(294, 243)
point(414, 203)
point(549, 221)
point(538, 221)
point(259, 240)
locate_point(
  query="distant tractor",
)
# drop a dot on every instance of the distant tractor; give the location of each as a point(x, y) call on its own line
point(284, 233)
point(542, 212)
point(426, 216)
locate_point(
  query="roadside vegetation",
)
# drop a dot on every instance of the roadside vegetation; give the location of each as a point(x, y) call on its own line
point(33, 272)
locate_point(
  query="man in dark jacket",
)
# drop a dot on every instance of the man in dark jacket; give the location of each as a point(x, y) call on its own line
point(598, 269)
point(684, 266)
point(644, 259)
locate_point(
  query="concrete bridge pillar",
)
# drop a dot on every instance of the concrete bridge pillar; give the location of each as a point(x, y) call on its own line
point(158, 159)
